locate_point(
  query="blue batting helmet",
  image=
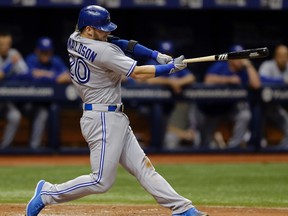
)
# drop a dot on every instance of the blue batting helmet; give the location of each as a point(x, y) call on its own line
point(97, 17)
point(236, 48)
point(44, 44)
point(166, 47)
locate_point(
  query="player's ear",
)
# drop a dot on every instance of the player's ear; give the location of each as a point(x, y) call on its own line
point(89, 31)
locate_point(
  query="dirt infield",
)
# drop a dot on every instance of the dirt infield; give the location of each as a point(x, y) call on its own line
point(15, 160)
point(143, 210)
point(139, 210)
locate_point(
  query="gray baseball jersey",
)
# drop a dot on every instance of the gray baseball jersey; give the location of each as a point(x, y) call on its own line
point(96, 69)
point(19, 67)
point(13, 115)
point(270, 69)
point(274, 111)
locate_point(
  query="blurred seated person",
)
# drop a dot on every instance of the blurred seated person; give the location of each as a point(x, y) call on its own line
point(209, 115)
point(176, 130)
point(275, 72)
point(12, 66)
point(44, 67)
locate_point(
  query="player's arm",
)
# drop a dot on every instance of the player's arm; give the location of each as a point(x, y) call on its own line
point(2, 75)
point(185, 80)
point(134, 49)
point(212, 78)
point(18, 63)
point(179, 81)
point(254, 79)
point(63, 78)
point(62, 72)
point(267, 77)
point(150, 71)
point(143, 72)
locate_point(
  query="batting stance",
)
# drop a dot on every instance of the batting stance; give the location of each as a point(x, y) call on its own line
point(96, 69)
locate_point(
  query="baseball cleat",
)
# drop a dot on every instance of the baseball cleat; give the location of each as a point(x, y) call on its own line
point(191, 212)
point(35, 205)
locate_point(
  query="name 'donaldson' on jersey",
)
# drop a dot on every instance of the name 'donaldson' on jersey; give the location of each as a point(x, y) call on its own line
point(83, 50)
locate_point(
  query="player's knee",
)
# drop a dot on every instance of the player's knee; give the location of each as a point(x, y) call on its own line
point(106, 187)
point(104, 184)
point(14, 117)
point(245, 116)
point(43, 114)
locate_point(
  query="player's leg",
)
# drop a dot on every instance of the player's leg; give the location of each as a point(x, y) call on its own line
point(38, 126)
point(279, 117)
point(104, 133)
point(206, 124)
point(242, 117)
point(137, 163)
point(13, 117)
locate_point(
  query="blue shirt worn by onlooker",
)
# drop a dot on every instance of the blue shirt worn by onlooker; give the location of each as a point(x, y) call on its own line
point(55, 66)
point(222, 69)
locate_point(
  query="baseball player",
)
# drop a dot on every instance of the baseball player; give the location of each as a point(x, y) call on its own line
point(12, 67)
point(275, 72)
point(96, 69)
point(44, 67)
point(236, 72)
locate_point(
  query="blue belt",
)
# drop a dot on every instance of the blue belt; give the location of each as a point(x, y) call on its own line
point(104, 108)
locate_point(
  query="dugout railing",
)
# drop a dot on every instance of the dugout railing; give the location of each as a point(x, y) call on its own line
point(157, 97)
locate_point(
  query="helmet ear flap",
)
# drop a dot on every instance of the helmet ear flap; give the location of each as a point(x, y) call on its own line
point(97, 17)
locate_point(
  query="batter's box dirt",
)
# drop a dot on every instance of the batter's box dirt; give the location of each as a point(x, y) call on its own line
point(135, 210)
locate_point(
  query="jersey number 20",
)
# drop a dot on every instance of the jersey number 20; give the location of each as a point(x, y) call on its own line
point(79, 70)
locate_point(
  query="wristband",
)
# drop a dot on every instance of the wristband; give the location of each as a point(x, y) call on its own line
point(165, 69)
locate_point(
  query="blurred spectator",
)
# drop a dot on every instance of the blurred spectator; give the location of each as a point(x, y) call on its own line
point(275, 72)
point(177, 131)
point(208, 115)
point(44, 67)
point(12, 66)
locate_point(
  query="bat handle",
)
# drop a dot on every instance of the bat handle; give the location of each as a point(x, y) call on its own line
point(200, 59)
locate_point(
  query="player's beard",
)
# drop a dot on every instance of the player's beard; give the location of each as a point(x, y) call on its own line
point(101, 37)
point(105, 37)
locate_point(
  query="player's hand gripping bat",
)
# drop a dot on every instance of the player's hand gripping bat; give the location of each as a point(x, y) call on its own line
point(243, 54)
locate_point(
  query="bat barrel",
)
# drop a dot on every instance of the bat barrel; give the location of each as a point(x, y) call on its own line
point(249, 54)
point(243, 54)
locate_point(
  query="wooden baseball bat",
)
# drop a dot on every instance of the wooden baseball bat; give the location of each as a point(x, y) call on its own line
point(243, 54)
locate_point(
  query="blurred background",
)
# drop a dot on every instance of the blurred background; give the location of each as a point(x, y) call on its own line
point(162, 117)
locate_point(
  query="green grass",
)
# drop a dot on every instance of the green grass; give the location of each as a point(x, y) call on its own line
point(257, 185)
